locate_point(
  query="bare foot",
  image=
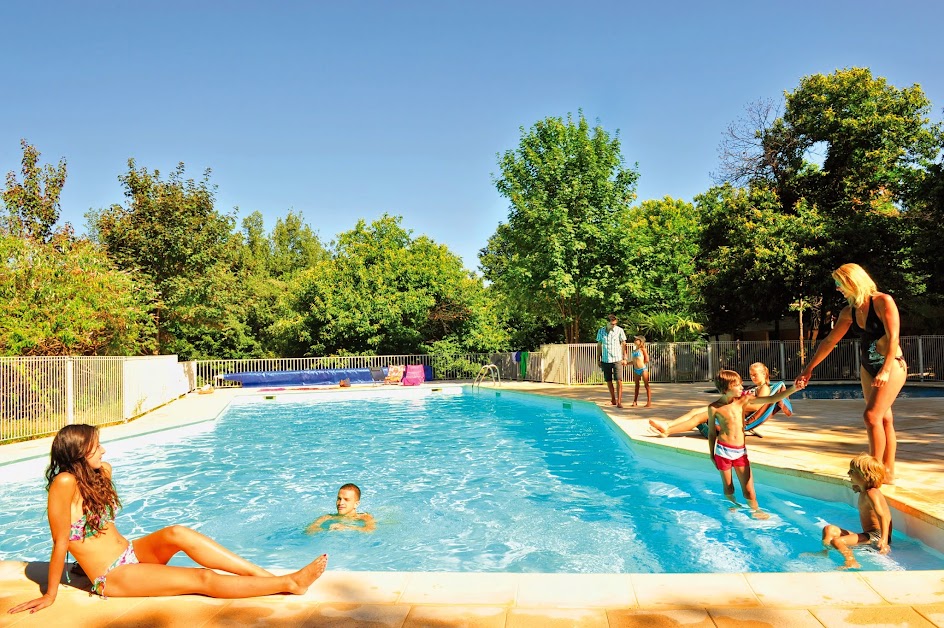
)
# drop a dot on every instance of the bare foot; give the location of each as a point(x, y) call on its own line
point(304, 577)
point(659, 427)
point(613, 402)
point(619, 405)
point(760, 514)
point(850, 564)
point(634, 404)
point(649, 405)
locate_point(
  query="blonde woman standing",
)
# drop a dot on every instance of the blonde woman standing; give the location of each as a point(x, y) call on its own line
point(874, 315)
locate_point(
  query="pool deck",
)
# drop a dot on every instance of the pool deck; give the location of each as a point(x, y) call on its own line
point(818, 440)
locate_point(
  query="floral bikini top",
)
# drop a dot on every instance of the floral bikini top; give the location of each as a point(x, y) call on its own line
point(79, 531)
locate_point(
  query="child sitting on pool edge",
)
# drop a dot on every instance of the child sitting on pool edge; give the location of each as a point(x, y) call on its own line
point(726, 446)
point(867, 475)
point(348, 518)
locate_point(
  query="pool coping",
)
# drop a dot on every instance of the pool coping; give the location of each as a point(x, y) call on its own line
point(420, 598)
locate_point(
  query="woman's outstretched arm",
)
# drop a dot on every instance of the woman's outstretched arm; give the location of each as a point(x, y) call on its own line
point(59, 505)
point(843, 324)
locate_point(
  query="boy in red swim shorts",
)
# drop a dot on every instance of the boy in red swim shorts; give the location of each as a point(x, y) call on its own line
point(726, 445)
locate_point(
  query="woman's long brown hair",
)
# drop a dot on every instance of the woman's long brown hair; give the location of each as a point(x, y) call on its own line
point(69, 450)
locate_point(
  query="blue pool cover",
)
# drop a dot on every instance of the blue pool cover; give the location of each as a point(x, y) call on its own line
point(319, 377)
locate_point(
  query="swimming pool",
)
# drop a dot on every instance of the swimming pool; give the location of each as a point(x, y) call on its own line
point(553, 489)
point(854, 391)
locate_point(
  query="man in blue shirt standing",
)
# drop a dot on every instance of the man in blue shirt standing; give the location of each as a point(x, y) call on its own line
point(611, 345)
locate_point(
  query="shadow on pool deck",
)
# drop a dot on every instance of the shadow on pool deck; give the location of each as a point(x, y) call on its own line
point(819, 438)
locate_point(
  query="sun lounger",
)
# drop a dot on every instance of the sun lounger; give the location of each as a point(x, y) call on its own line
point(394, 374)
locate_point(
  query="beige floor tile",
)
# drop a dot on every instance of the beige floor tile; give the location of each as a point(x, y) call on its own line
point(577, 590)
point(662, 591)
point(801, 590)
point(932, 612)
point(456, 616)
point(760, 617)
point(495, 589)
point(272, 610)
point(76, 609)
point(557, 618)
point(357, 616)
point(181, 611)
point(359, 587)
point(695, 618)
point(874, 617)
point(908, 587)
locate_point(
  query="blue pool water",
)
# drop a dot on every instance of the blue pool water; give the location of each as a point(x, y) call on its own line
point(457, 482)
point(854, 391)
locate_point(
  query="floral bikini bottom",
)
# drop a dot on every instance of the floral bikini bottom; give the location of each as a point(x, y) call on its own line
point(127, 557)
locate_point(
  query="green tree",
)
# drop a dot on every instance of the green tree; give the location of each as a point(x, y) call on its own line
point(294, 246)
point(877, 139)
point(269, 270)
point(559, 255)
point(754, 259)
point(65, 297)
point(171, 232)
point(856, 151)
point(33, 204)
point(382, 291)
point(661, 242)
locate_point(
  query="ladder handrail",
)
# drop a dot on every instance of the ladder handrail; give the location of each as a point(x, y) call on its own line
point(487, 369)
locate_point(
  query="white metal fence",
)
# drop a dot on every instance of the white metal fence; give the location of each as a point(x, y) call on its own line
point(444, 367)
point(39, 395)
point(700, 361)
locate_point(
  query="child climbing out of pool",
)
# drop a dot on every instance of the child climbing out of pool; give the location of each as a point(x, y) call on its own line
point(867, 475)
point(349, 498)
point(726, 443)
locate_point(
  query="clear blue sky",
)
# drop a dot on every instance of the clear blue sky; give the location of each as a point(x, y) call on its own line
point(348, 110)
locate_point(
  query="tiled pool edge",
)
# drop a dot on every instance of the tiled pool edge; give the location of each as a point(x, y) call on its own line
point(601, 591)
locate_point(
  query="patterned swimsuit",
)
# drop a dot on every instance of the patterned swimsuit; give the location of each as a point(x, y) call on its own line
point(79, 531)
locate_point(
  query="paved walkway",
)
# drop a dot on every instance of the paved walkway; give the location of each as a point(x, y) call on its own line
point(819, 439)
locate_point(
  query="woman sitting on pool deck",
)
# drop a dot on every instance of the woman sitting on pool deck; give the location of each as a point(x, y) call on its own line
point(760, 375)
point(82, 504)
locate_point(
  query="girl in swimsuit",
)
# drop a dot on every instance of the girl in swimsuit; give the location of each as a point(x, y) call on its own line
point(760, 375)
point(82, 504)
point(640, 363)
point(883, 371)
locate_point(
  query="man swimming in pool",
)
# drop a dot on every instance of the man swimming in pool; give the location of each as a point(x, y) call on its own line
point(726, 445)
point(349, 498)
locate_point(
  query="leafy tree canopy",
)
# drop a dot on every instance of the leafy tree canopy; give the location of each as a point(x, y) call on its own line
point(33, 204)
point(65, 297)
point(170, 231)
point(559, 255)
point(382, 291)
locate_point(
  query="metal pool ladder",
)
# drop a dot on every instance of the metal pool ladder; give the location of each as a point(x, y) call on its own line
point(488, 370)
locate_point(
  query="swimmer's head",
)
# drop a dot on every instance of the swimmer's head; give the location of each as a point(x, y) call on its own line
point(349, 497)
